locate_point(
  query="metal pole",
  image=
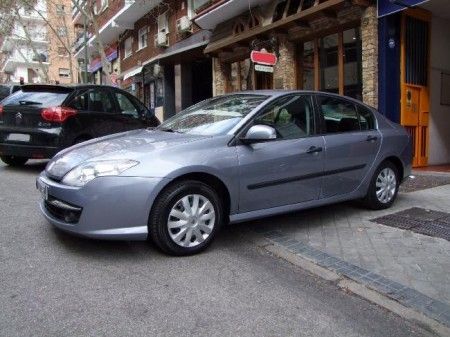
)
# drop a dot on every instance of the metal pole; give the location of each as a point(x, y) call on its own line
point(85, 50)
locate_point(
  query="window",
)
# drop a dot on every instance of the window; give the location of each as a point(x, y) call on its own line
point(128, 47)
point(61, 31)
point(62, 51)
point(126, 106)
point(60, 9)
point(64, 72)
point(143, 35)
point(200, 4)
point(366, 118)
point(92, 100)
point(332, 63)
point(339, 115)
point(163, 23)
point(292, 117)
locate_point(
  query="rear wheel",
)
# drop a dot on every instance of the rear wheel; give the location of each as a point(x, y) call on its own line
point(14, 160)
point(383, 188)
point(185, 218)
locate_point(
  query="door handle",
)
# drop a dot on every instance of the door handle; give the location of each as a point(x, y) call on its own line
point(371, 138)
point(314, 149)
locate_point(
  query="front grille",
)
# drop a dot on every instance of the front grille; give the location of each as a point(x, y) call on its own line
point(63, 211)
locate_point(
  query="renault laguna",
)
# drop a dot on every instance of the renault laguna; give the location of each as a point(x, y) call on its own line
point(228, 159)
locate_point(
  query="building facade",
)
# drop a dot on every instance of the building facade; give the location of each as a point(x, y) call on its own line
point(36, 48)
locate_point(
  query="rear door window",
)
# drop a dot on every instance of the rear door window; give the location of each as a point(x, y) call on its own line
point(126, 106)
point(366, 118)
point(40, 98)
point(339, 115)
point(96, 100)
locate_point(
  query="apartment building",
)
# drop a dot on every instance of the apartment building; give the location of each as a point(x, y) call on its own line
point(36, 47)
point(155, 49)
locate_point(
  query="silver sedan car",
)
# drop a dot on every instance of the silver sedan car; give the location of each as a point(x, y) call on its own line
point(228, 159)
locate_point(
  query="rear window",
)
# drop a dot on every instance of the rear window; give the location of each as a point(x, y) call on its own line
point(40, 98)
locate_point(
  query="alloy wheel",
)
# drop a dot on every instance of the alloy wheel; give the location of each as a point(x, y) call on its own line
point(191, 220)
point(386, 185)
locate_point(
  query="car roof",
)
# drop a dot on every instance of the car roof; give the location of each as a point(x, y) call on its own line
point(68, 86)
point(281, 92)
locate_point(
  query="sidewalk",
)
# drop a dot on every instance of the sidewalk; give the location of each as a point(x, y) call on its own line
point(411, 268)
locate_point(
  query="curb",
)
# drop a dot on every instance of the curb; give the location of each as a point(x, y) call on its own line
point(405, 302)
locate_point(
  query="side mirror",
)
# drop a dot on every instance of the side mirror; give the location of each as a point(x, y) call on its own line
point(259, 133)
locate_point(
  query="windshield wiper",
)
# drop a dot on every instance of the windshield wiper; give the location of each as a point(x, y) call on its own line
point(168, 130)
point(29, 103)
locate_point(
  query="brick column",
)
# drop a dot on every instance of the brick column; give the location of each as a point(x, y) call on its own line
point(284, 75)
point(369, 36)
point(221, 75)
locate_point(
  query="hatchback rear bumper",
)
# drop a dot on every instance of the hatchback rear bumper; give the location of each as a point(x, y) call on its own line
point(28, 151)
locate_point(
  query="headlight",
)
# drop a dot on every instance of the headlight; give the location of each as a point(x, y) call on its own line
point(85, 172)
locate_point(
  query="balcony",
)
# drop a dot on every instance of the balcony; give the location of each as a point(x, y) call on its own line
point(28, 59)
point(123, 20)
point(11, 42)
point(77, 18)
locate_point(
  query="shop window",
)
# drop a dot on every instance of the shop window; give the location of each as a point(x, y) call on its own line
point(143, 36)
point(128, 47)
point(308, 65)
point(332, 63)
point(279, 10)
point(352, 63)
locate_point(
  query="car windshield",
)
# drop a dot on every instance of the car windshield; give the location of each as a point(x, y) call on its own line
point(215, 116)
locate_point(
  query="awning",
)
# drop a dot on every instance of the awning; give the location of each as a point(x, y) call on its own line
point(387, 7)
point(226, 11)
point(132, 72)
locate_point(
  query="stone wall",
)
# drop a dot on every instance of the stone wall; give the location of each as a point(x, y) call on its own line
point(221, 75)
point(369, 36)
point(284, 75)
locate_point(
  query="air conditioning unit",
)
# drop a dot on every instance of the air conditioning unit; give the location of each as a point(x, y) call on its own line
point(184, 25)
point(161, 40)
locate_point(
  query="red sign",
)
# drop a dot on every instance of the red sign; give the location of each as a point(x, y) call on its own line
point(263, 58)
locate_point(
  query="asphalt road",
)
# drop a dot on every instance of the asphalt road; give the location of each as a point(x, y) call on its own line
point(52, 284)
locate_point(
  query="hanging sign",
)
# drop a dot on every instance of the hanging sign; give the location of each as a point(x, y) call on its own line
point(263, 57)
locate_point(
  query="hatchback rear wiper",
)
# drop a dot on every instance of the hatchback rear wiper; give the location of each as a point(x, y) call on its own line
point(29, 103)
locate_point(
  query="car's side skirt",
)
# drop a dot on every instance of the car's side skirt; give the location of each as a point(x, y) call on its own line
point(253, 215)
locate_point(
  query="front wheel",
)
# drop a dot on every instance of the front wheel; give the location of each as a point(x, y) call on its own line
point(383, 188)
point(14, 160)
point(185, 218)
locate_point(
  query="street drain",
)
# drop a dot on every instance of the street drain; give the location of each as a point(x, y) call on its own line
point(419, 220)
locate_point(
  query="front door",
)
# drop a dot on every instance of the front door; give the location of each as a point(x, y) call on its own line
point(286, 170)
point(351, 144)
point(415, 101)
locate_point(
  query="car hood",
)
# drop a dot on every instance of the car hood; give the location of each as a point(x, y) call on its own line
point(127, 145)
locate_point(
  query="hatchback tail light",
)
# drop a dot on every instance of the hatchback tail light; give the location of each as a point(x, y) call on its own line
point(1, 110)
point(57, 114)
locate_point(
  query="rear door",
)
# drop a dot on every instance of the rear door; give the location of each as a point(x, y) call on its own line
point(287, 170)
point(132, 112)
point(95, 113)
point(351, 144)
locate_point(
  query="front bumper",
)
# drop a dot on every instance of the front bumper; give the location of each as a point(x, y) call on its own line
point(115, 207)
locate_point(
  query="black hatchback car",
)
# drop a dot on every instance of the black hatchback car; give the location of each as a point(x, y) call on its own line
point(39, 120)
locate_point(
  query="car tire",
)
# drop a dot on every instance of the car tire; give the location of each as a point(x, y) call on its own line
point(179, 230)
point(14, 160)
point(383, 187)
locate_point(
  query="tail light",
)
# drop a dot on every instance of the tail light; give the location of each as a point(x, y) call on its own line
point(1, 110)
point(57, 114)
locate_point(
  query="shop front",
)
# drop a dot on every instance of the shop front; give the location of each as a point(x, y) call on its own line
point(328, 45)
